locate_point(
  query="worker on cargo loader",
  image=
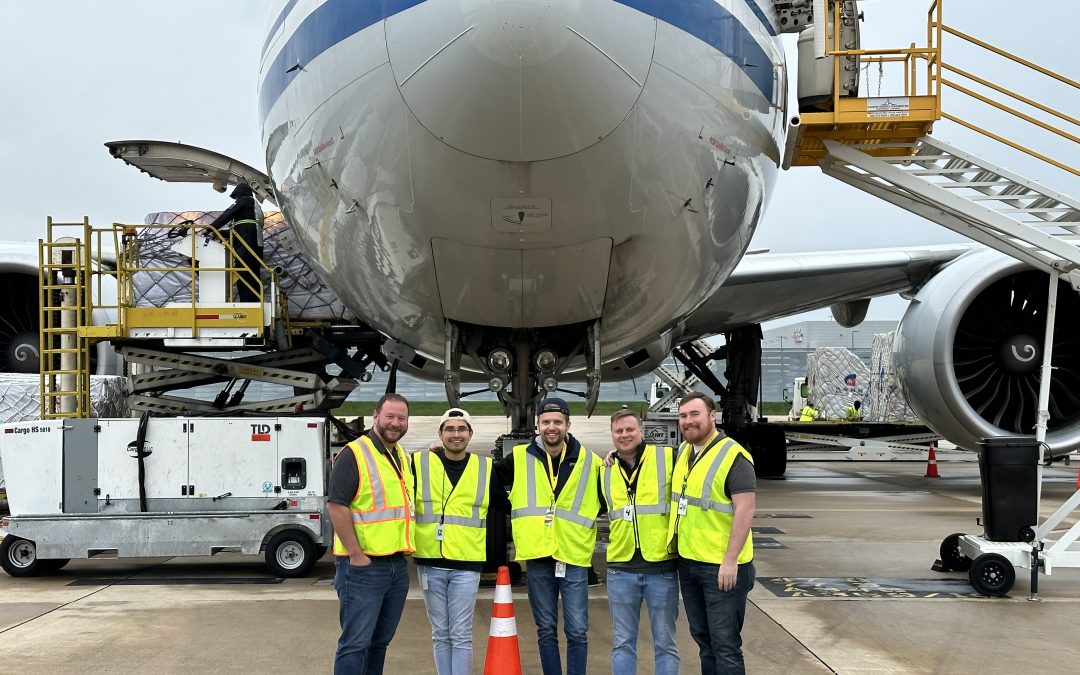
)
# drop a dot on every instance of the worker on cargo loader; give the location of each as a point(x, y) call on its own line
point(854, 412)
point(245, 218)
point(452, 494)
point(370, 505)
point(554, 501)
point(809, 413)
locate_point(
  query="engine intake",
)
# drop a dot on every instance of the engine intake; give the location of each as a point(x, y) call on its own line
point(969, 353)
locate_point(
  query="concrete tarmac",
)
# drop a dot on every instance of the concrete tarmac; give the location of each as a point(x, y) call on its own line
point(844, 585)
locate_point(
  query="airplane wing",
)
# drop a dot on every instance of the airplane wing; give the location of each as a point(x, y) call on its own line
point(180, 163)
point(770, 286)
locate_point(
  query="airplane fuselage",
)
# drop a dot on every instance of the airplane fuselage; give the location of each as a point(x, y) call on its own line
point(523, 165)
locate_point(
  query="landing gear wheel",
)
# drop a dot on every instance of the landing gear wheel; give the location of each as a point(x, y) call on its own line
point(992, 575)
point(290, 554)
point(19, 557)
point(951, 555)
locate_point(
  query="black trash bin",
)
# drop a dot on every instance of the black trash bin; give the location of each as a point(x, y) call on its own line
point(1009, 468)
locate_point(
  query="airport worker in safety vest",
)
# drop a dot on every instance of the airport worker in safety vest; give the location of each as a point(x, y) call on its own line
point(636, 489)
point(854, 412)
point(245, 219)
point(452, 496)
point(370, 504)
point(713, 498)
point(554, 502)
point(809, 413)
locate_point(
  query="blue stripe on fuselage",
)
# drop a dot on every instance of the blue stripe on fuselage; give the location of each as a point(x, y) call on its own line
point(335, 20)
point(329, 24)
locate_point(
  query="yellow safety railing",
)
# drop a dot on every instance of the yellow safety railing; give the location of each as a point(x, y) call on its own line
point(76, 259)
point(850, 121)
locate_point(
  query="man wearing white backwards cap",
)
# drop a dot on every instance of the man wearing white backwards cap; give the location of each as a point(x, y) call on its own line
point(452, 496)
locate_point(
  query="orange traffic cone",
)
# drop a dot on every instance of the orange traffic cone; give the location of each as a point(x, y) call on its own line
point(503, 657)
point(931, 463)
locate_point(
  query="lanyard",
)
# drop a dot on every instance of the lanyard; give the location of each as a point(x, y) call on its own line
point(632, 477)
point(697, 457)
point(552, 474)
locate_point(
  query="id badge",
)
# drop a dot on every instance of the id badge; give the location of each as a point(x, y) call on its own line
point(549, 517)
point(439, 532)
point(628, 512)
point(560, 570)
point(682, 506)
point(423, 581)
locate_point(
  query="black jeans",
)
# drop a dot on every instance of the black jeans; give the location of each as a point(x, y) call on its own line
point(715, 616)
point(247, 284)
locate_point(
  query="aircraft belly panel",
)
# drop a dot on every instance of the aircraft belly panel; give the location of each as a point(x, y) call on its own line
point(513, 288)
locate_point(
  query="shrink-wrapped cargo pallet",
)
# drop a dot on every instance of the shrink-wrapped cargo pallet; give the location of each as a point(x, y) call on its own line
point(310, 299)
point(887, 402)
point(836, 378)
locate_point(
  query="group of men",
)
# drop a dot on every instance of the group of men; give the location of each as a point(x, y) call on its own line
point(678, 519)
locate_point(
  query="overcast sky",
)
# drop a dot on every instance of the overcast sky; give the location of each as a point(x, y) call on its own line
point(78, 74)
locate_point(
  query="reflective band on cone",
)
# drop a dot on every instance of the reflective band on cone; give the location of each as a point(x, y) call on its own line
point(503, 657)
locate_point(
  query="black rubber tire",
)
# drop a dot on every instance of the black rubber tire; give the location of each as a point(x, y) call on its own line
point(291, 554)
point(951, 556)
point(18, 557)
point(767, 444)
point(992, 575)
point(320, 552)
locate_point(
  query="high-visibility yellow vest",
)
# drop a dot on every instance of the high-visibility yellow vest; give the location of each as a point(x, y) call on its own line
point(853, 414)
point(451, 520)
point(808, 414)
point(381, 510)
point(705, 526)
point(564, 528)
point(648, 509)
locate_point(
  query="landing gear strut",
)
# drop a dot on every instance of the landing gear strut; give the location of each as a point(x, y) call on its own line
point(742, 370)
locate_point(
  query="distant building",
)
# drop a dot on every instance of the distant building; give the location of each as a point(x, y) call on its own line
point(784, 349)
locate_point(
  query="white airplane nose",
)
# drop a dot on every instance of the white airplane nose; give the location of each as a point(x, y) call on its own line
point(520, 80)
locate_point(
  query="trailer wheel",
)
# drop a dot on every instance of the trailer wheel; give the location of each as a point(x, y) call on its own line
point(19, 557)
point(952, 556)
point(290, 554)
point(992, 575)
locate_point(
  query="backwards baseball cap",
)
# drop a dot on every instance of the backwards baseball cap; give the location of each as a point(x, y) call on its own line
point(552, 405)
point(455, 413)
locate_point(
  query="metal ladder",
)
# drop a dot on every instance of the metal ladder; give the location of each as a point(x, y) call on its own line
point(972, 197)
point(65, 354)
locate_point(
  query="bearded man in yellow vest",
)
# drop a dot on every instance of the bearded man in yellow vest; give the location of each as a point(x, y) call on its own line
point(452, 498)
point(370, 506)
point(637, 492)
point(554, 502)
point(713, 500)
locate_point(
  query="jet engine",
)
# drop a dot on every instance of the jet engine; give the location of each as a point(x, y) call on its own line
point(969, 353)
point(20, 316)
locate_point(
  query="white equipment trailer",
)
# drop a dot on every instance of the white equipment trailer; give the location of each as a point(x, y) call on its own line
point(166, 486)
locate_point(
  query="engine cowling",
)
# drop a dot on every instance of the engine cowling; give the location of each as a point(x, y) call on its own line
point(20, 316)
point(969, 353)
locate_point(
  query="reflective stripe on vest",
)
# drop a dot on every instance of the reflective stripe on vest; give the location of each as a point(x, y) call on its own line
point(570, 535)
point(650, 519)
point(381, 514)
point(709, 513)
point(462, 510)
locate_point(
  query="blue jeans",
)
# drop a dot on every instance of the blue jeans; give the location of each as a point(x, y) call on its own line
point(450, 598)
point(660, 591)
point(371, 600)
point(715, 616)
point(544, 591)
